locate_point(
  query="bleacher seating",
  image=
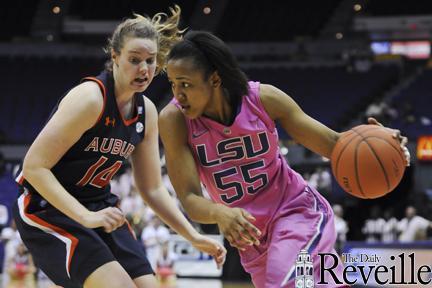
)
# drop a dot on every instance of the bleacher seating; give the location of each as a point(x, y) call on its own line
point(117, 10)
point(289, 19)
point(413, 103)
point(331, 95)
point(31, 88)
point(397, 8)
point(16, 18)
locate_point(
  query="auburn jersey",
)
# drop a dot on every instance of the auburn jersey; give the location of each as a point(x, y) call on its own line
point(86, 169)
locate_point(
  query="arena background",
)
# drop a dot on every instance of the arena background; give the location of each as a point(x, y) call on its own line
point(341, 60)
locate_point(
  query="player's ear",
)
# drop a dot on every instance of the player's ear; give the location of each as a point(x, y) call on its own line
point(114, 57)
point(215, 80)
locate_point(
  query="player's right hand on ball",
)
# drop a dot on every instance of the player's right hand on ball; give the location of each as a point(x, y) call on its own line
point(236, 226)
point(109, 219)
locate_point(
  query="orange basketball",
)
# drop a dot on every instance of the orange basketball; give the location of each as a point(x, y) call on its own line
point(367, 161)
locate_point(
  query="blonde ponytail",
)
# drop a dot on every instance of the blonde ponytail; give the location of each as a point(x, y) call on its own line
point(162, 28)
point(169, 34)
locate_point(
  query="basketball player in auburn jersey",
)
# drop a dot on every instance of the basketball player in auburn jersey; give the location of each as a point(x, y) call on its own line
point(66, 215)
point(221, 128)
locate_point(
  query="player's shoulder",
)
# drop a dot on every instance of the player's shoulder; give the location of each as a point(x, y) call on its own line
point(85, 98)
point(172, 123)
point(276, 102)
point(88, 92)
point(171, 114)
point(91, 90)
point(269, 92)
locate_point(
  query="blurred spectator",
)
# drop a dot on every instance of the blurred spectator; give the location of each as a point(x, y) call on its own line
point(341, 227)
point(381, 111)
point(10, 239)
point(4, 215)
point(407, 113)
point(165, 272)
point(324, 179)
point(123, 184)
point(373, 227)
point(413, 227)
point(390, 230)
point(153, 235)
point(375, 109)
point(9, 233)
point(167, 183)
point(20, 268)
point(132, 203)
point(8, 190)
point(320, 179)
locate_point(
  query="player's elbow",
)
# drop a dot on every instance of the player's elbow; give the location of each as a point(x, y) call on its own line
point(30, 168)
point(193, 216)
point(189, 206)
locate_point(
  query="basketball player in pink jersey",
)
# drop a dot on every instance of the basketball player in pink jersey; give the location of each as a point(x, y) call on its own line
point(220, 130)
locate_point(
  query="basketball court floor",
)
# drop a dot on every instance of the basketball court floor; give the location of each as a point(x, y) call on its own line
point(180, 283)
point(209, 283)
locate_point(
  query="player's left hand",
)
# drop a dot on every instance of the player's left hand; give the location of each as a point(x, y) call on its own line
point(397, 135)
point(211, 247)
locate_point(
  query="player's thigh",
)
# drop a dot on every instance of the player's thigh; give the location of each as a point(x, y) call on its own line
point(146, 281)
point(110, 275)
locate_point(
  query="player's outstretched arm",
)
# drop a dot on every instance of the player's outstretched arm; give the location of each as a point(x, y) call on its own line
point(147, 172)
point(303, 128)
point(234, 223)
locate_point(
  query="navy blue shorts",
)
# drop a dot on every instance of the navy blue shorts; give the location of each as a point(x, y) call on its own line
point(69, 252)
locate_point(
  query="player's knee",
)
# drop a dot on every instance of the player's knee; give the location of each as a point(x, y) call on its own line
point(121, 281)
point(109, 275)
point(112, 281)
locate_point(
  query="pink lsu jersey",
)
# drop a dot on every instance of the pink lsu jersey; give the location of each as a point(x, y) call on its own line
point(241, 165)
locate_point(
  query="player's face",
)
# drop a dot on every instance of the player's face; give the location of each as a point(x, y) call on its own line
point(136, 63)
point(190, 88)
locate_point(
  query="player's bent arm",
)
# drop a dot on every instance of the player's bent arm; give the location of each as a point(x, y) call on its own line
point(182, 169)
point(77, 112)
point(147, 174)
point(303, 128)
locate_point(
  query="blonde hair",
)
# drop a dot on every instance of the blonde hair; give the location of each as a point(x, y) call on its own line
point(162, 28)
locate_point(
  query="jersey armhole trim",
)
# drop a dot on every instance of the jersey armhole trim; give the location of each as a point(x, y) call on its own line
point(144, 114)
point(269, 121)
point(103, 90)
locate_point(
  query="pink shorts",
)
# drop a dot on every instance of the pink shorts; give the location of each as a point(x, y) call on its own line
point(305, 222)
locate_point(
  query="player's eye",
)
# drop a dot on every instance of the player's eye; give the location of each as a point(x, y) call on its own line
point(134, 60)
